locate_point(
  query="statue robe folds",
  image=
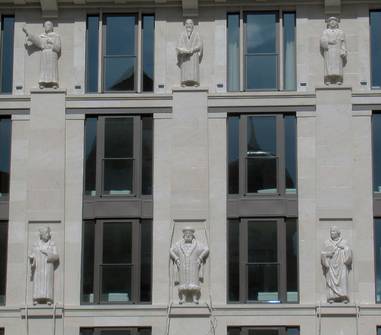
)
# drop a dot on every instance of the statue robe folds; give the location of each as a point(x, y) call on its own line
point(50, 45)
point(189, 53)
point(44, 255)
point(334, 51)
point(336, 259)
point(191, 258)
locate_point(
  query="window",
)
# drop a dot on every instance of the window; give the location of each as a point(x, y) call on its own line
point(262, 154)
point(376, 139)
point(263, 331)
point(116, 263)
point(378, 330)
point(375, 40)
point(7, 33)
point(118, 155)
point(377, 252)
point(1, 331)
point(3, 260)
point(115, 331)
point(121, 69)
point(261, 51)
point(5, 155)
point(263, 260)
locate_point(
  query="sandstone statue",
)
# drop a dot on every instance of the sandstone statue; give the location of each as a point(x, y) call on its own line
point(336, 259)
point(189, 53)
point(43, 259)
point(50, 44)
point(189, 256)
point(334, 50)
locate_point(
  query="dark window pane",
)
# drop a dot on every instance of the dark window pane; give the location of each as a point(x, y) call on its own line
point(120, 35)
point(5, 154)
point(119, 73)
point(233, 233)
point(116, 283)
point(379, 331)
point(148, 35)
point(375, 37)
point(234, 331)
point(119, 137)
point(7, 54)
point(262, 241)
point(261, 72)
point(88, 262)
point(233, 154)
point(376, 134)
point(290, 150)
point(146, 261)
point(117, 242)
point(118, 174)
point(92, 46)
point(377, 242)
point(147, 155)
point(289, 51)
point(86, 331)
point(261, 32)
point(144, 331)
point(116, 332)
point(262, 331)
point(292, 331)
point(90, 155)
point(233, 52)
point(292, 260)
point(263, 282)
point(261, 136)
point(261, 175)
point(3, 259)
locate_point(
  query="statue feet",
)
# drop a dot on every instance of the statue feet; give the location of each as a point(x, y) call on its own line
point(34, 302)
point(339, 83)
point(55, 86)
point(41, 87)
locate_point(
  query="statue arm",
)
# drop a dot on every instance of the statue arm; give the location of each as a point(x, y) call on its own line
point(324, 41)
point(53, 255)
point(35, 40)
point(32, 259)
point(344, 49)
point(173, 255)
point(57, 44)
point(348, 256)
point(204, 254)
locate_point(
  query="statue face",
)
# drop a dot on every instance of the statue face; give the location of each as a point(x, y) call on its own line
point(188, 236)
point(48, 25)
point(189, 25)
point(45, 235)
point(335, 234)
point(333, 23)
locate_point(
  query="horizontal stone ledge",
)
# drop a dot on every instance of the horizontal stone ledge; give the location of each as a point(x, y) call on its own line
point(41, 312)
point(189, 311)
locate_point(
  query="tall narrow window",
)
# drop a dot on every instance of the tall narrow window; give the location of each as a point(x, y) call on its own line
point(7, 33)
point(263, 260)
point(148, 33)
point(233, 52)
point(117, 260)
point(3, 259)
point(261, 51)
point(263, 330)
point(377, 261)
point(92, 50)
point(375, 41)
point(90, 155)
point(115, 331)
point(233, 154)
point(290, 152)
point(120, 58)
point(5, 155)
point(147, 155)
point(376, 139)
point(289, 51)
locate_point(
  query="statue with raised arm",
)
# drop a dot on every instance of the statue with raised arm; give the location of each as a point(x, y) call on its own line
point(50, 45)
point(334, 50)
point(189, 256)
point(189, 52)
point(43, 260)
point(336, 260)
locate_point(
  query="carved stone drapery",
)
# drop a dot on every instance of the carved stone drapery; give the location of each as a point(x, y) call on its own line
point(189, 256)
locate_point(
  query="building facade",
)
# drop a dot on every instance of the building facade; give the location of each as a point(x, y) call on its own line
point(165, 176)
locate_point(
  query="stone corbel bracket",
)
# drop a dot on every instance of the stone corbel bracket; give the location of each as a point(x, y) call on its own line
point(190, 8)
point(332, 7)
point(49, 8)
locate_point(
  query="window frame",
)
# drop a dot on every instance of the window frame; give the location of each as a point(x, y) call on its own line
point(5, 223)
point(4, 15)
point(281, 260)
point(375, 88)
point(98, 330)
point(282, 330)
point(98, 260)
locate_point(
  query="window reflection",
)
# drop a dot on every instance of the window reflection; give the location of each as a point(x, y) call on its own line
point(148, 34)
point(7, 30)
point(376, 139)
point(375, 39)
point(5, 155)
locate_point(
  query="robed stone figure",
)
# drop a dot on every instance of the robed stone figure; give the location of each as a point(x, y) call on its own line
point(43, 260)
point(189, 256)
point(50, 44)
point(189, 53)
point(334, 50)
point(336, 259)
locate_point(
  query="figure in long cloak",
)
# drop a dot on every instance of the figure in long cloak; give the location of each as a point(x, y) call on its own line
point(43, 259)
point(189, 255)
point(50, 45)
point(336, 259)
point(189, 53)
point(334, 50)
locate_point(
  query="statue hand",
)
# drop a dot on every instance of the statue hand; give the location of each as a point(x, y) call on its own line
point(177, 262)
point(24, 30)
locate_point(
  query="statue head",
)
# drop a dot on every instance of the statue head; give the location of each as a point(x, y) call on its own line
point(189, 25)
point(44, 234)
point(48, 25)
point(335, 233)
point(333, 22)
point(188, 234)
